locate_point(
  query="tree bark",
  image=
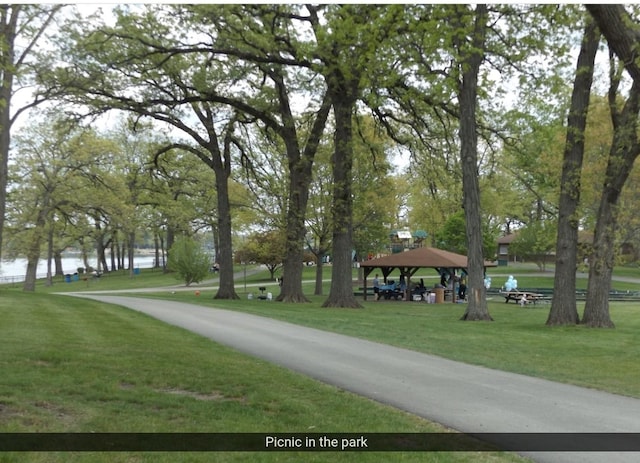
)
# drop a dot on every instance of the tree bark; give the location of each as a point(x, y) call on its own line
point(563, 304)
point(341, 291)
point(624, 151)
point(477, 308)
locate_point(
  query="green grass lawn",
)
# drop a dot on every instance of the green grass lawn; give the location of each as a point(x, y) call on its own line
point(74, 365)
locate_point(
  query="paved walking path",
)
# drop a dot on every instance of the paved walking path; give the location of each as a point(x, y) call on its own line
point(464, 397)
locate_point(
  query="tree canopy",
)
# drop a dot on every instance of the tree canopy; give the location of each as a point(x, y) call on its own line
point(238, 120)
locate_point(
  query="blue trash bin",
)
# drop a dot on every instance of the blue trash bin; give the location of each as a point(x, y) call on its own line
point(136, 271)
point(67, 278)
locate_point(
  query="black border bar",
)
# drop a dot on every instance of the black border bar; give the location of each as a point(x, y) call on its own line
point(318, 442)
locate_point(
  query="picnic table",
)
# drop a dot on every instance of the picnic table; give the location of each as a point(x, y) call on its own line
point(391, 290)
point(522, 297)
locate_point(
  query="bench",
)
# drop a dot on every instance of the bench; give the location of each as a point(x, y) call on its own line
point(360, 291)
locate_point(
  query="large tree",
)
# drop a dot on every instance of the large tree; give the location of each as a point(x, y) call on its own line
point(21, 29)
point(348, 37)
point(471, 54)
point(623, 153)
point(147, 75)
point(563, 304)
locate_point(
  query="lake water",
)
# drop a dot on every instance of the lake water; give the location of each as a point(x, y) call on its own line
point(15, 270)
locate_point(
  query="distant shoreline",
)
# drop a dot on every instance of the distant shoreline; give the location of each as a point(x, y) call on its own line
point(14, 271)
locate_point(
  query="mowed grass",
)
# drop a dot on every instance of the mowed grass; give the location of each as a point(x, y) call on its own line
point(74, 365)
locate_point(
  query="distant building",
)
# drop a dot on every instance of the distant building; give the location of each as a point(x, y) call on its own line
point(505, 255)
point(404, 240)
point(503, 249)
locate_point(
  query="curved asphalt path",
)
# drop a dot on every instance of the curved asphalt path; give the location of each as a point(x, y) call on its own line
point(464, 397)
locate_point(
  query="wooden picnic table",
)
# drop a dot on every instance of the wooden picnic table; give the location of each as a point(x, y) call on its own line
point(518, 295)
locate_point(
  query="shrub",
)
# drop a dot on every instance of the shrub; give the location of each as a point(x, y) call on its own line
point(188, 260)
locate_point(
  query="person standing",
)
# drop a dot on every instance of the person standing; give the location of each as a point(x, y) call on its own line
point(462, 290)
point(376, 287)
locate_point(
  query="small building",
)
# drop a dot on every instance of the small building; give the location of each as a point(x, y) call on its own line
point(506, 255)
point(404, 240)
point(503, 249)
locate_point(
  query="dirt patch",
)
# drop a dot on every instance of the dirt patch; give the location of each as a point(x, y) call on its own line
point(55, 410)
point(42, 363)
point(215, 395)
point(209, 396)
point(7, 412)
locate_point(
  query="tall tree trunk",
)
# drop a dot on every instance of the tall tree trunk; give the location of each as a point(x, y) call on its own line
point(131, 241)
point(596, 311)
point(563, 304)
point(114, 247)
point(624, 151)
point(103, 267)
point(320, 258)
point(100, 248)
point(5, 142)
point(226, 289)
point(221, 164)
point(477, 308)
point(33, 252)
point(216, 241)
point(162, 251)
point(57, 257)
point(121, 254)
point(8, 31)
point(300, 178)
point(171, 233)
point(319, 273)
point(156, 250)
point(50, 255)
point(341, 290)
point(29, 284)
point(301, 175)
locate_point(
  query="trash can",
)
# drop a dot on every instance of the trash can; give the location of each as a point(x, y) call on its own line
point(136, 271)
point(67, 278)
point(439, 295)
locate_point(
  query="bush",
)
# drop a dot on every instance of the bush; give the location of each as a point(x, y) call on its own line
point(188, 260)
